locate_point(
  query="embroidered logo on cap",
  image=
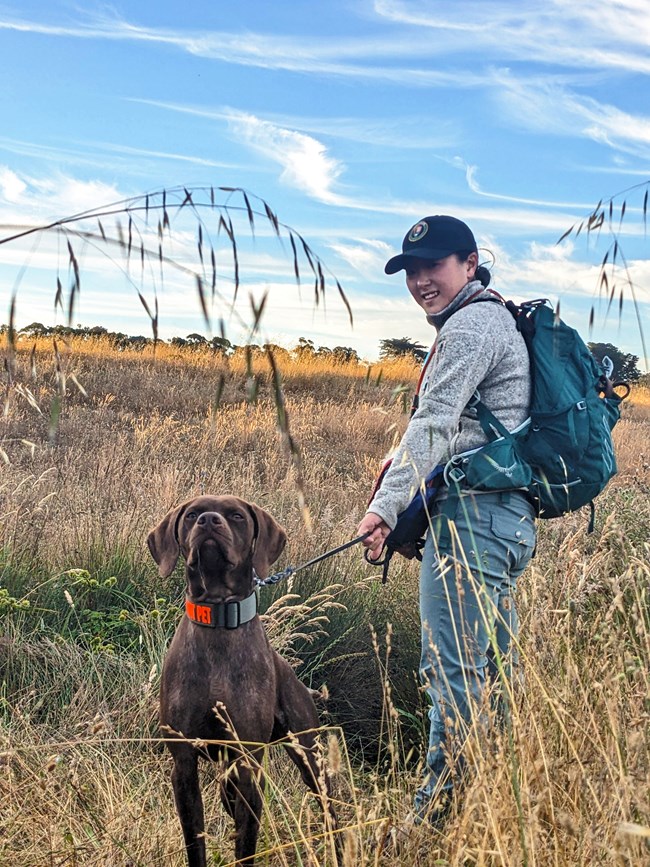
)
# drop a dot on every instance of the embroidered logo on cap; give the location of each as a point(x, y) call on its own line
point(418, 231)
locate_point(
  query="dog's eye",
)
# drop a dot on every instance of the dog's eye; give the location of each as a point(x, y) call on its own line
point(191, 516)
point(237, 516)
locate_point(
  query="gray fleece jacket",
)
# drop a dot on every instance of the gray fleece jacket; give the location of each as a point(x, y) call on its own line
point(478, 347)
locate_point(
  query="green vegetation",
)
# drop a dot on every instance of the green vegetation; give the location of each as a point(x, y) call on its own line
point(400, 347)
point(625, 364)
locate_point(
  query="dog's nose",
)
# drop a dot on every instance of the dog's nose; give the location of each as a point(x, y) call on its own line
point(208, 519)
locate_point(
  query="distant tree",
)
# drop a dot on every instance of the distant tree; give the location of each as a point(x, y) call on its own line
point(305, 348)
point(36, 329)
point(221, 345)
point(278, 351)
point(119, 339)
point(178, 341)
point(625, 364)
point(345, 354)
point(97, 331)
point(195, 339)
point(398, 347)
point(63, 331)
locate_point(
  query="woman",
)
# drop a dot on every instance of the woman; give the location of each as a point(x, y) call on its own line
point(473, 556)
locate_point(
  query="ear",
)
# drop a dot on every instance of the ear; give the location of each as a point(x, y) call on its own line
point(472, 265)
point(163, 542)
point(270, 543)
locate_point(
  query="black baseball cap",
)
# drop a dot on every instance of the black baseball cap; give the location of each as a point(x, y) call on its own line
point(433, 238)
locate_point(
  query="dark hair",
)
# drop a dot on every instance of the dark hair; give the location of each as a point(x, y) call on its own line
point(481, 274)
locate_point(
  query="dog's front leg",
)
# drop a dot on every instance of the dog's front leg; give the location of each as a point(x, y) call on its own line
point(189, 804)
point(247, 789)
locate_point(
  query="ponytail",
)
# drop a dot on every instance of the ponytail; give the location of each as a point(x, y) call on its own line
point(483, 275)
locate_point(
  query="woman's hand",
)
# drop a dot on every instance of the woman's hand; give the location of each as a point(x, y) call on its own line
point(378, 530)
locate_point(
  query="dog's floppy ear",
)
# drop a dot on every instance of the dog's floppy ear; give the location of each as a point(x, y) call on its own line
point(163, 542)
point(270, 541)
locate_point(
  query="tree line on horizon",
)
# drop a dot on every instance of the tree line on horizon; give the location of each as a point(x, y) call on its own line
point(220, 344)
point(625, 363)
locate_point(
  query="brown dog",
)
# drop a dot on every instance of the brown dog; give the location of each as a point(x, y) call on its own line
point(221, 680)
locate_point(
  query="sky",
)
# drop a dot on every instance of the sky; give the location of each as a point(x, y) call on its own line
point(352, 119)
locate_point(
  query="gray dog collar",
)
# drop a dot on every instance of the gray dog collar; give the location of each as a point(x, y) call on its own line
point(228, 615)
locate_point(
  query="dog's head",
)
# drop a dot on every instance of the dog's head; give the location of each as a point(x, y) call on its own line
point(221, 540)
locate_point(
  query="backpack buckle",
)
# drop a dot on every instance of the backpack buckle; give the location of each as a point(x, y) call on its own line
point(455, 473)
point(232, 615)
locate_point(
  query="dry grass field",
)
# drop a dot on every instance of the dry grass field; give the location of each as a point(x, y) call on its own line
point(84, 622)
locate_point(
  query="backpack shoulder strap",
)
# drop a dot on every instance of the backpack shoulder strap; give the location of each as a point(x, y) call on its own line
point(492, 427)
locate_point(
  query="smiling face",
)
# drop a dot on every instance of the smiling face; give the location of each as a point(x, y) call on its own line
point(435, 284)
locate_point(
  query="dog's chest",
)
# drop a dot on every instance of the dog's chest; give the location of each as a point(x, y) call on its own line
point(213, 680)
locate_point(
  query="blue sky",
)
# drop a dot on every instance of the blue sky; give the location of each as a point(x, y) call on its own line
point(352, 120)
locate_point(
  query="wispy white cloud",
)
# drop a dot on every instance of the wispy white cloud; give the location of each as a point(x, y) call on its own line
point(305, 162)
point(550, 108)
point(571, 33)
point(558, 272)
point(405, 133)
point(543, 269)
point(129, 151)
point(301, 54)
point(563, 33)
point(11, 186)
point(61, 155)
point(96, 154)
point(25, 198)
point(307, 165)
point(616, 169)
point(365, 255)
point(471, 173)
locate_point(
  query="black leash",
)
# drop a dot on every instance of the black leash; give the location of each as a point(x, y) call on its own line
point(291, 570)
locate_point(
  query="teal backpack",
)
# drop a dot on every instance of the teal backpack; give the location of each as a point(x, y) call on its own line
point(563, 454)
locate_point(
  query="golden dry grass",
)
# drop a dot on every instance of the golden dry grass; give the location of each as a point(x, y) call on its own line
point(83, 779)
